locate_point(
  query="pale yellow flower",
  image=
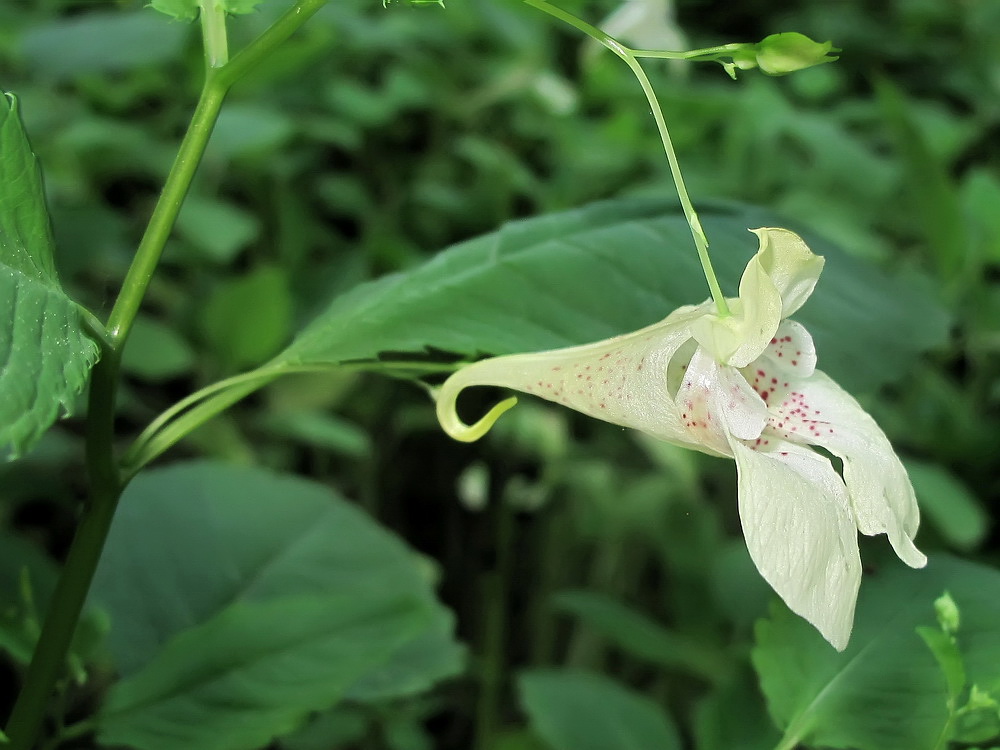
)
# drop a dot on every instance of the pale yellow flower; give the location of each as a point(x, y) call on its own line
point(744, 386)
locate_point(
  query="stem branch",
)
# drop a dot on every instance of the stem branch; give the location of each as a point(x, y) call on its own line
point(629, 57)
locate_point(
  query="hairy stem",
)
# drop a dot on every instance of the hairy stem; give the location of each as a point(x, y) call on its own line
point(628, 56)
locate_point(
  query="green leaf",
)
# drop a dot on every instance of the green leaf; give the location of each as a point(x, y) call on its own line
point(948, 505)
point(933, 195)
point(573, 710)
point(886, 690)
point(945, 650)
point(156, 351)
point(45, 353)
point(639, 635)
point(606, 269)
point(218, 229)
point(27, 580)
point(255, 671)
point(180, 10)
point(200, 552)
point(102, 42)
point(246, 319)
point(733, 717)
point(331, 729)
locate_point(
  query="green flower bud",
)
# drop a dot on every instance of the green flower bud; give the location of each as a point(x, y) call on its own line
point(947, 613)
point(779, 54)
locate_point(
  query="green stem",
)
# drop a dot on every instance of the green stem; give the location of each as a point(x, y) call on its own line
point(705, 54)
point(147, 256)
point(213, 34)
point(274, 35)
point(626, 54)
point(48, 662)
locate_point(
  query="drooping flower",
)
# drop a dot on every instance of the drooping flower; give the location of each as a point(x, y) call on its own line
point(743, 386)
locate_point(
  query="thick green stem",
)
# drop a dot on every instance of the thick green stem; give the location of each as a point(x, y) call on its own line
point(628, 55)
point(49, 660)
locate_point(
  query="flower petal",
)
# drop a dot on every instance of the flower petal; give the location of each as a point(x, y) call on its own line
point(716, 401)
point(738, 339)
point(792, 267)
point(801, 535)
point(880, 492)
point(622, 380)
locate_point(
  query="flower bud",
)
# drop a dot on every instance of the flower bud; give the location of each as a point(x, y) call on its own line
point(779, 54)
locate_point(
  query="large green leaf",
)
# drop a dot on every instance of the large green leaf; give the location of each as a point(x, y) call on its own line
point(268, 578)
point(602, 270)
point(44, 351)
point(255, 671)
point(582, 711)
point(886, 690)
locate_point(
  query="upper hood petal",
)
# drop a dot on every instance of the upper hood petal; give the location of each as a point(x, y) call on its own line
point(776, 282)
point(792, 267)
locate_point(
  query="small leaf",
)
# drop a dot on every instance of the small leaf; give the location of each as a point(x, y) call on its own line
point(156, 351)
point(45, 352)
point(218, 229)
point(246, 319)
point(101, 42)
point(583, 711)
point(637, 634)
point(179, 10)
point(948, 505)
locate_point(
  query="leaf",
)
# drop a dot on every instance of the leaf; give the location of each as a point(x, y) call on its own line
point(220, 230)
point(248, 318)
point(733, 717)
point(27, 580)
point(156, 351)
point(886, 690)
point(45, 355)
point(933, 194)
point(639, 635)
point(102, 42)
point(200, 551)
point(255, 671)
point(573, 710)
point(947, 504)
point(602, 270)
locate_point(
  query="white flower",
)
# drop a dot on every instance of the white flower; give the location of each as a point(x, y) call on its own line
point(744, 386)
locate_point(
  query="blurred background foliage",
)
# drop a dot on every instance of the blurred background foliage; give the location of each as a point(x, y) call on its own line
point(381, 135)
